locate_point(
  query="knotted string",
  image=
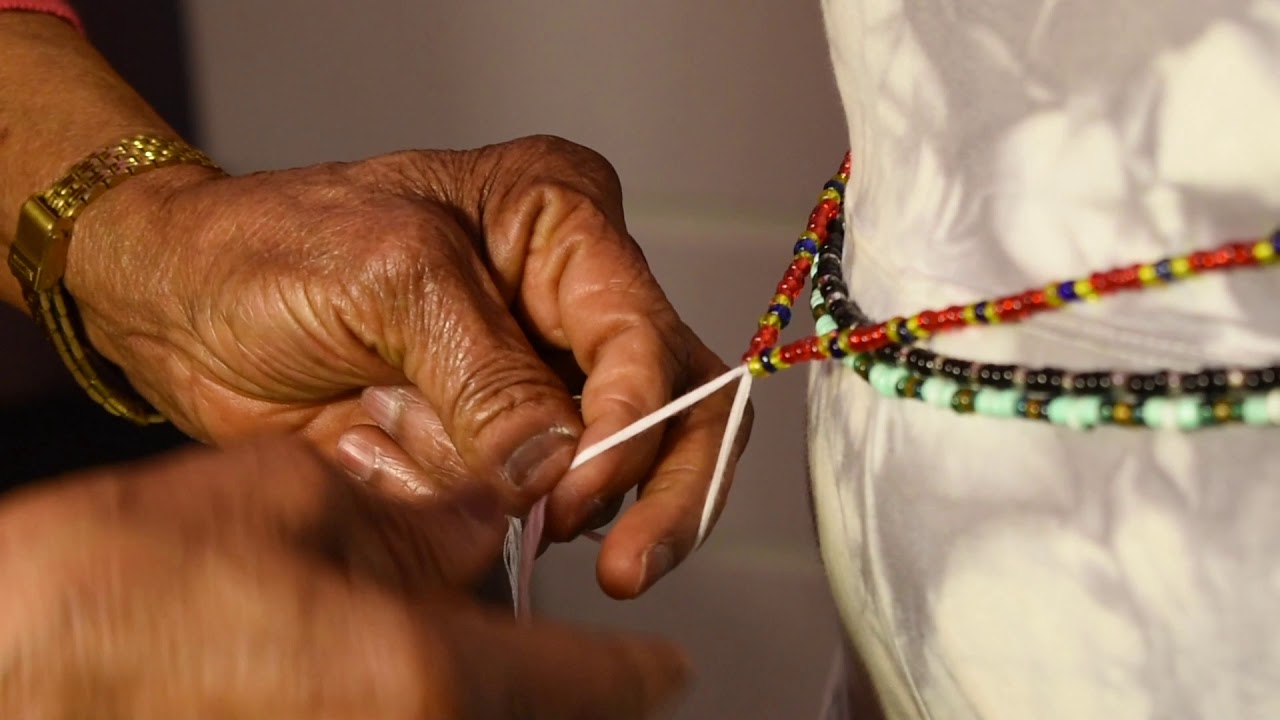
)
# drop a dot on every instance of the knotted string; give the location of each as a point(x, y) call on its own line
point(524, 536)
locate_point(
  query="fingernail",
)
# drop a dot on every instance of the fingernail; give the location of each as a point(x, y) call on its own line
point(384, 405)
point(657, 562)
point(357, 456)
point(542, 459)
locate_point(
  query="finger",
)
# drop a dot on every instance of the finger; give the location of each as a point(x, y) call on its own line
point(372, 457)
point(509, 417)
point(276, 488)
point(660, 529)
point(547, 671)
point(617, 393)
point(585, 287)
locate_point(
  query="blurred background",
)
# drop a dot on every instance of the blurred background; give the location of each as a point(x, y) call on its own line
point(723, 122)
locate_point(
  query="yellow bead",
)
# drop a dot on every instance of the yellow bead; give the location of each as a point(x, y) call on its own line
point(892, 328)
point(829, 194)
point(970, 315)
point(810, 235)
point(842, 340)
point(1147, 274)
point(755, 367)
point(781, 299)
point(775, 359)
point(989, 313)
point(1264, 252)
point(1051, 297)
point(913, 327)
point(1181, 267)
point(771, 320)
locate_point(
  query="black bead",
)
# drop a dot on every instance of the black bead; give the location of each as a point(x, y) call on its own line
point(953, 369)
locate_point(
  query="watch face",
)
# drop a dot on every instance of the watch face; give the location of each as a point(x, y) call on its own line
point(38, 257)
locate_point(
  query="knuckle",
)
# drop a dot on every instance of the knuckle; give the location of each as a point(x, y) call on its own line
point(495, 384)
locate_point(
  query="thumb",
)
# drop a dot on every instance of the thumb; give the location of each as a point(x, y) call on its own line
point(507, 414)
point(548, 671)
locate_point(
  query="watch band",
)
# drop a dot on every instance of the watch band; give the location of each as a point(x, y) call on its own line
point(38, 259)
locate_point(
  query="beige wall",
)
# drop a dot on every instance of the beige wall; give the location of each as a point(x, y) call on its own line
point(723, 123)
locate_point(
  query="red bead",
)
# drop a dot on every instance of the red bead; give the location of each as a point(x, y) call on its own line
point(1198, 259)
point(1218, 258)
point(1242, 254)
point(927, 320)
point(1009, 308)
point(1100, 283)
point(951, 317)
point(1124, 278)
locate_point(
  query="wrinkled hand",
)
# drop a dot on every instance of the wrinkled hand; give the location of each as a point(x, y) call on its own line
point(478, 289)
point(258, 583)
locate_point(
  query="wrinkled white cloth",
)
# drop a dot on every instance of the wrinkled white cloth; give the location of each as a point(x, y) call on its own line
point(1002, 569)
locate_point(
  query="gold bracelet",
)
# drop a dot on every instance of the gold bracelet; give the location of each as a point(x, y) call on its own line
point(38, 258)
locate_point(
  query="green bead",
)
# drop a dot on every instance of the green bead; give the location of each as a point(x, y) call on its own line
point(939, 391)
point(1002, 403)
point(1188, 413)
point(884, 378)
point(1154, 411)
point(815, 299)
point(1254, 410)
point(1087, 412)
point(826, 324)
point(1060, 410)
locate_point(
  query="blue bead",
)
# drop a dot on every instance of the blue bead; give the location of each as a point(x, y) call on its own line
point(905, 336)
point(834, 346)
point(1275, 240)
point(980, 312)
point(1067, 291)
point(1164, 269)
point(767, 363)
point(834, 185)
point(805, 245)
point(782, 311)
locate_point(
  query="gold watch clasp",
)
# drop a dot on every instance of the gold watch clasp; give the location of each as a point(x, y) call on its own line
point(39, 253)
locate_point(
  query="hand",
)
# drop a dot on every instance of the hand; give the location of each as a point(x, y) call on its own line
point(477, 288)
point(258, 583)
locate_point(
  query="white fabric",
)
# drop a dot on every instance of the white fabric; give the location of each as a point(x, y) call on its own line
point(999, 569)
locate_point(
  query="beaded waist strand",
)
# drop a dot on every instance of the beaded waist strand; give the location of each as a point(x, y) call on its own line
point(887, 356)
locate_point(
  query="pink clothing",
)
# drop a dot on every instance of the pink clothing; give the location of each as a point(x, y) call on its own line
point(59, 8)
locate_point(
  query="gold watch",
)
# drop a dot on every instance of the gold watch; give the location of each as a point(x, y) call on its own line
point(38, 258)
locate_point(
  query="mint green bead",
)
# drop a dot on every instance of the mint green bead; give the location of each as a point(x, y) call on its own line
point(815, 299)
point(1187, 411)
point(850, 361)
point(1087, 412)
point(826, 324)
point(884, 378)
point(1060, 410)
point(1004, 403)
point(939, 391)
point(1154, 412)
point(1254, 410)
point(985, 401)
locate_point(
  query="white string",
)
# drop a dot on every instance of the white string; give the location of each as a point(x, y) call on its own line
point(523, 538)
point(674, 407)
point(722, 460)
